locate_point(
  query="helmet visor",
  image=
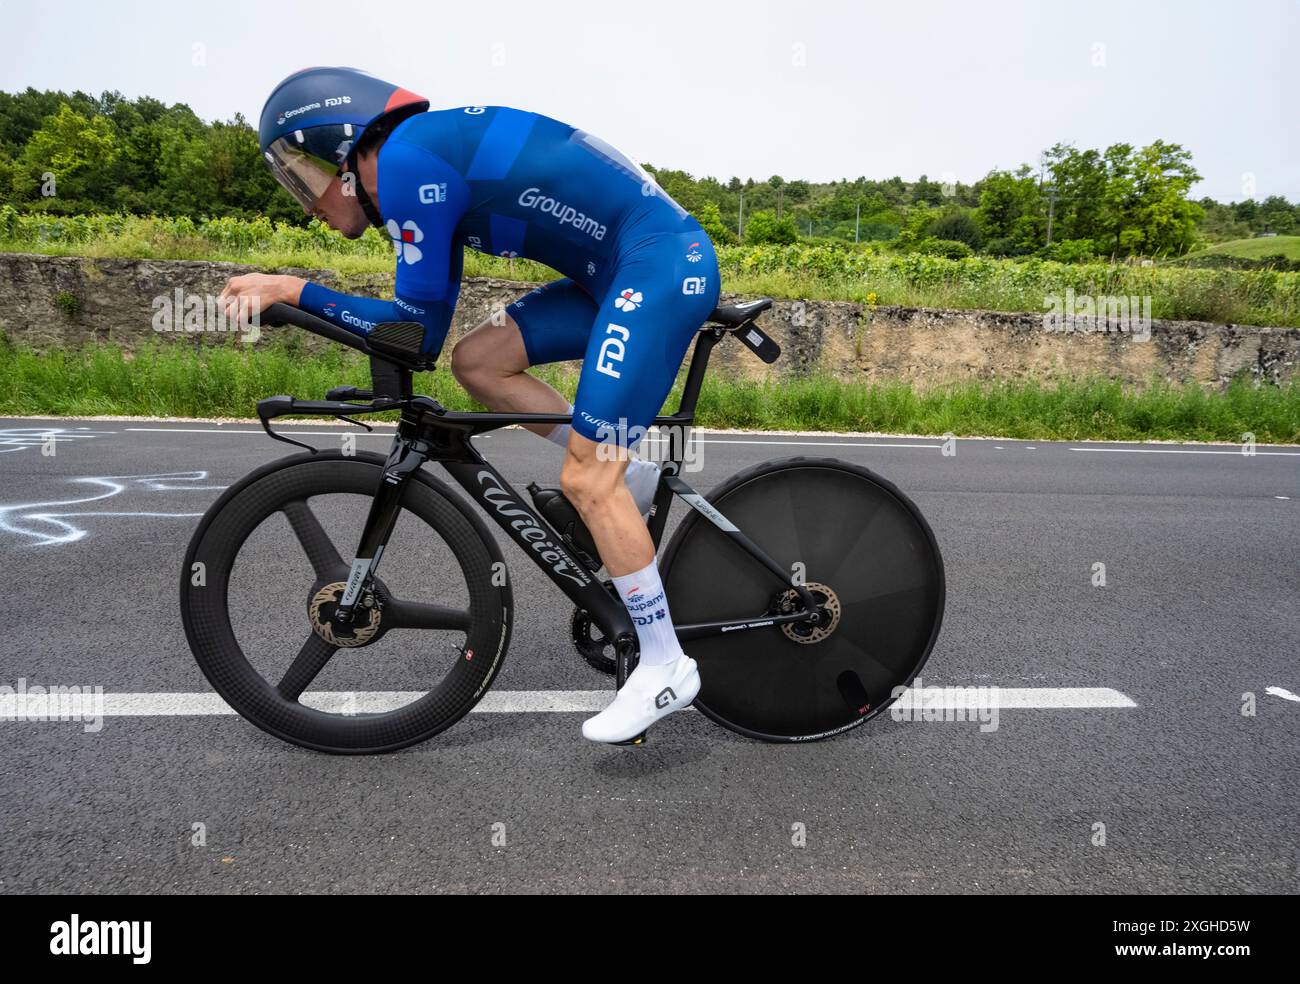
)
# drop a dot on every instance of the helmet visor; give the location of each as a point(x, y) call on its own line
point(302, 174)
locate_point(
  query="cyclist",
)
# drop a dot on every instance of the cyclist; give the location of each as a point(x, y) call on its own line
point(640, 276)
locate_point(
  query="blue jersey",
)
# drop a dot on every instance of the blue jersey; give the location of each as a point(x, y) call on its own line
point(511, 183)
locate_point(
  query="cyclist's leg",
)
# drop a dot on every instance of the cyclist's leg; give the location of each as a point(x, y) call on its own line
point(663, 291)
point(549, 324)
point(660, 295)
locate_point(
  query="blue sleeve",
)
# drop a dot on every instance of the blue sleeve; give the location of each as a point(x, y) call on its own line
point(361, 314)
point(422, 198)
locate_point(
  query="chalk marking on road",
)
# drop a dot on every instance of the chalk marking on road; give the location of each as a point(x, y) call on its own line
point(1283, 693)
point(18, 517)
point(37, 707)
point(19, 438)
point(1238, 452)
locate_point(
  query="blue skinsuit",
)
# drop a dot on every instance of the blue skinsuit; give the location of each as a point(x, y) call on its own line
point(640, 274)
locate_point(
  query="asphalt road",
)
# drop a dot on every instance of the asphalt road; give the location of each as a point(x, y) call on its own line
point(1164, 786)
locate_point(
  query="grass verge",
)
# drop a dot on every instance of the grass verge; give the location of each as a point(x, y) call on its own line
point(174, 380)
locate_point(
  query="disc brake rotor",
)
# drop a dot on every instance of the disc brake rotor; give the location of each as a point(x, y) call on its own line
point(828, 603)
point(321, 608)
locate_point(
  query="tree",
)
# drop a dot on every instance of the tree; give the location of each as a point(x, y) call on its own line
point(79, 153)
point(1077, 188)
point(1145, 206)
point(958, 225)
point(711, 219)
point(1011, 213)
point(764, 227)
point(1276, 214)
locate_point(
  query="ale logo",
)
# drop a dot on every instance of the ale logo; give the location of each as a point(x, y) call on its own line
point(664, 697)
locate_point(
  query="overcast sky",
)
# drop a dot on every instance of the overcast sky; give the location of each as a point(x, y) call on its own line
point(804, 88)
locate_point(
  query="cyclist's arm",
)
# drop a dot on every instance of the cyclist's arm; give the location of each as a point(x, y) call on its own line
point(422, 198)
point(360, 314)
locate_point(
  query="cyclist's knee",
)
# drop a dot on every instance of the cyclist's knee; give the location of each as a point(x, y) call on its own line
point(588, 477)
point(495, 348)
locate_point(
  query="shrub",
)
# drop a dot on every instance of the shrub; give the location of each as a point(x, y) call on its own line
point(1073, 250)
point(956, 226)
point(948, 248)
point(764, 227)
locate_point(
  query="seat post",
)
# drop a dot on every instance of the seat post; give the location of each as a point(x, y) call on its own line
point(695, 374)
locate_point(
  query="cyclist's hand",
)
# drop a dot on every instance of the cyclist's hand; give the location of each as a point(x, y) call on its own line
point(252, 293)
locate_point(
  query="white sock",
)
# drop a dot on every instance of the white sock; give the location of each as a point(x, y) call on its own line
point(643, 594)
point(642, 479)
point(560, 433)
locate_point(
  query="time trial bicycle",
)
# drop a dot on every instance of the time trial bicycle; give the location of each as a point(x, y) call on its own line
point(809, 590)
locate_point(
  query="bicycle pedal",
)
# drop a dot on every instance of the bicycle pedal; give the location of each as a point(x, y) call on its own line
point(638, 740)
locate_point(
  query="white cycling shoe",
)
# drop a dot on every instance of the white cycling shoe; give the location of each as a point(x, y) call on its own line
point(650, 693)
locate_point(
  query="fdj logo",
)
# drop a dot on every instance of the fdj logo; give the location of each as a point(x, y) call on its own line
point(694, 285)
point(431, 194)
point(612, 350)
point(665, 696)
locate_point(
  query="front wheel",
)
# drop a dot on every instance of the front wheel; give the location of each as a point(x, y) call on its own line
point(266, 568)
point(871, 562)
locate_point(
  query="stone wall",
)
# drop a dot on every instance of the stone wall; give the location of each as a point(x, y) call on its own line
point(50, 301)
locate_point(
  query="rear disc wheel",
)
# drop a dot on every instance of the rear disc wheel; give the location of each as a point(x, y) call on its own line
point(865, 553)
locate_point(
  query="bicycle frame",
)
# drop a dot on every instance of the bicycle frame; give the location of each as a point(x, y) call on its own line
point(427, 431)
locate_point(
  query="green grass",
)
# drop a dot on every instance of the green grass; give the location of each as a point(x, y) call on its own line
point(1253, 249)
point(180, 380)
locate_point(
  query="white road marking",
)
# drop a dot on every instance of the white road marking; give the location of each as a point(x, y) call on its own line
point(257, 433)
point(1282, 692)
point(18, 438)
point(1238, 452)
point(703, 440)
point(1017, 698)
point(820, 444)
point(40, 707)
point(382, 432)
point(23, 518)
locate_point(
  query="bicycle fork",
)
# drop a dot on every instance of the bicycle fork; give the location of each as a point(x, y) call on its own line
point(405, 457)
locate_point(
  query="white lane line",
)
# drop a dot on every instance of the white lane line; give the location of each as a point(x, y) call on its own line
point(1238, 452)
point(290, 430)
point(40, 707)
point(703, 440)
point(819, 444)
point(716, 440)
point(1282, 692)
point(1015, 698)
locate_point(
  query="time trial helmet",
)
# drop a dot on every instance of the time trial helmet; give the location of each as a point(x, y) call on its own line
point(313, 120)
